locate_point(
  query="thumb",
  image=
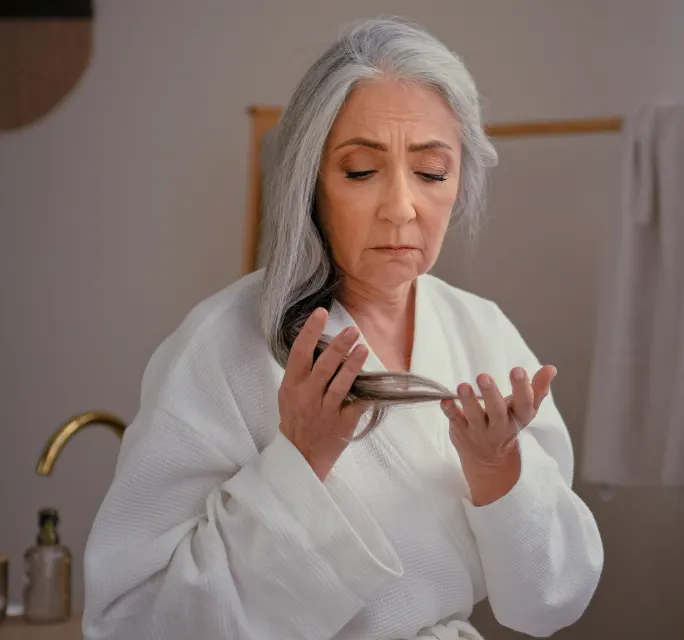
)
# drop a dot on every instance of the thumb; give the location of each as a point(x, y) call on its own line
point(541, 383)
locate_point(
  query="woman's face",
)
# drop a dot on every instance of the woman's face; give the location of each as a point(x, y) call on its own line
point(388, 181)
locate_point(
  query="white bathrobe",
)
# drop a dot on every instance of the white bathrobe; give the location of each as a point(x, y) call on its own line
point(216, 528)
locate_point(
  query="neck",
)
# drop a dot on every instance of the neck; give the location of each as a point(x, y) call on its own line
point(386, 319)
point(377, 303)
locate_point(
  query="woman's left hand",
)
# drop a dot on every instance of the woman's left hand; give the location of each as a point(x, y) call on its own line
point(486, 437)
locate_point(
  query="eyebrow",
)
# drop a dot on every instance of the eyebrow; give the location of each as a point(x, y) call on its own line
point(378, 146)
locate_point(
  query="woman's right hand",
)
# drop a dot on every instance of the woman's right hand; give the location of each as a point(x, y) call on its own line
point(313, 414)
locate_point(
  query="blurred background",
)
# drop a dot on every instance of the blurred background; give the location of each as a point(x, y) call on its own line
point(124, 206)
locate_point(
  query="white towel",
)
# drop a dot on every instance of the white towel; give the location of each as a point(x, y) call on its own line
point(635, 419)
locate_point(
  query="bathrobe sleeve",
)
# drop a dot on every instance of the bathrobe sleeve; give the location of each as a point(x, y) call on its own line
point(203, 536)
point(540, 547)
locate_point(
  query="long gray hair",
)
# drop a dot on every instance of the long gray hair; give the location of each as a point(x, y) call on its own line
point(300, 273)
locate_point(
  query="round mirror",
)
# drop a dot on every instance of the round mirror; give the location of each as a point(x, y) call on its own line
point(45, 46)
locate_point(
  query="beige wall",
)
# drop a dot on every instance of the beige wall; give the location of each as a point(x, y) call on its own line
point(124, 207)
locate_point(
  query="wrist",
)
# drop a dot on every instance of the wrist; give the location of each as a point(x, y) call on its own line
point(490, 481)
point(318, 464)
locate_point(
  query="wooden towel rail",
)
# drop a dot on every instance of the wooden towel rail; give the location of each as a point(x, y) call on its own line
point(554, 127)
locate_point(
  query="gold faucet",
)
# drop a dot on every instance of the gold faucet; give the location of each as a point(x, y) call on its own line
point(60, 438)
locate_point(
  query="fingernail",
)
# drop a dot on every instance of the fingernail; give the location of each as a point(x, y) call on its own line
point(347, 333)
point(360, 352)
point(485, 382)
point(518, 373)
point(465, 391)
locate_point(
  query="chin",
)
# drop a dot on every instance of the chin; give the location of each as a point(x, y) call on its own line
point(395, 274)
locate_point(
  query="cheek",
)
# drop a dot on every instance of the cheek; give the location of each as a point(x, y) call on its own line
point(346, 215)
point(436, 207)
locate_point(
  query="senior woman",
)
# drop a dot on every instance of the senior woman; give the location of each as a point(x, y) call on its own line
point(280, 482)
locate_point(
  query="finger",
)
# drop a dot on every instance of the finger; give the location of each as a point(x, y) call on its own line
point(458, 425)
point(495, 405)
point(343, 381)
point(451, 410)
point(300, 360)
point(541, 384)
point(471, 407)
point(522, 405)
point(355, 410)
point(328, 363)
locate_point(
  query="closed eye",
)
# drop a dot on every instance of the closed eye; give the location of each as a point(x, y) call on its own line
point(433, 177)
point(360, 175)
point(430, 177)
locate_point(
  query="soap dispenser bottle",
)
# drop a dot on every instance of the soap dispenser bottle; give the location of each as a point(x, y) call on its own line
point(47, 565)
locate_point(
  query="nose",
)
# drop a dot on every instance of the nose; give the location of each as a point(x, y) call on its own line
point(397, 203)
